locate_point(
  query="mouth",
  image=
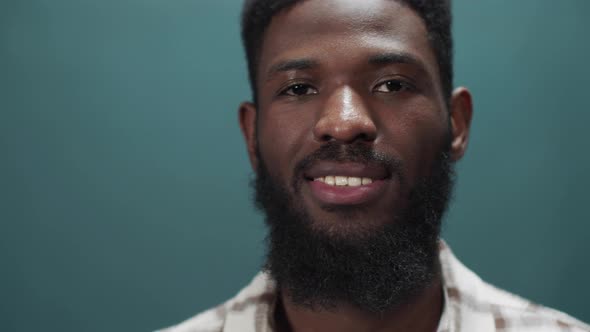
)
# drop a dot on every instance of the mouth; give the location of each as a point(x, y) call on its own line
point(342, 181)
point(346, 183)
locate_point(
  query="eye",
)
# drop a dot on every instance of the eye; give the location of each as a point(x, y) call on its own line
point(393, 86)
point(299, 89)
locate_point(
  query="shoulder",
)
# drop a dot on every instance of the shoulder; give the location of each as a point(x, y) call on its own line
point(476, 302)
point(248, 308)
point(514, 313)
point(207, 321)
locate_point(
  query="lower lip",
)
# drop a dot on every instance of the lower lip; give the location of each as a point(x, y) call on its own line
point(346, 195)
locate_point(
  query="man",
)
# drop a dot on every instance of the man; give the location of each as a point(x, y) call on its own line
point(353, 132)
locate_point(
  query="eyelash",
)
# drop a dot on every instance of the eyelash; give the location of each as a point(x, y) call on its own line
point(404, 86)
point(290, 87)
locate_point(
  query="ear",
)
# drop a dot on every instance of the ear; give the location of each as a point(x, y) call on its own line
point(247, 118)
point(461, 113)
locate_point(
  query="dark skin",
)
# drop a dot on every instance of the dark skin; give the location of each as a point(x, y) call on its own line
point(353, 71)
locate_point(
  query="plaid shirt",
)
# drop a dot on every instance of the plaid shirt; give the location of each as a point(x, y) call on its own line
point(471, 305)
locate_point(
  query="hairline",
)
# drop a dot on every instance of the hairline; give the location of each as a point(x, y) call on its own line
point(253, 57)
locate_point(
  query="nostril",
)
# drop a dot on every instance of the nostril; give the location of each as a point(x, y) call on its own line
point(364, 137)
point(326, 138)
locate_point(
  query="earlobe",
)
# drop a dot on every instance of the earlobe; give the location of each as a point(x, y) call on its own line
point(247, 119)
point(461, 113)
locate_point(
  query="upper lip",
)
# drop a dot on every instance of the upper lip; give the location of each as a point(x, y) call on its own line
point(327, 168)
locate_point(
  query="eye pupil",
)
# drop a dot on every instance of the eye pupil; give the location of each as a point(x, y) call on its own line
point(394, 86)
point(299, 89)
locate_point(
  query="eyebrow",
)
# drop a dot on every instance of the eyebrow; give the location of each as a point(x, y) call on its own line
point(378, 59)
point(395, 58)
point(295, 64)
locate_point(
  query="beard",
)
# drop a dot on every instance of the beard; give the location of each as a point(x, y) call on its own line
point(373, 268)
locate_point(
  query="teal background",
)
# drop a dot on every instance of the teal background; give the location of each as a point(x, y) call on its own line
point(124, 199)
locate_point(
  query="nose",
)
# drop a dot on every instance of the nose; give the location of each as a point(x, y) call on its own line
point(345, 118)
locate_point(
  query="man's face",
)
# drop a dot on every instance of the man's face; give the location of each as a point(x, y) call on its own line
point(346, 72)
point(353, 147)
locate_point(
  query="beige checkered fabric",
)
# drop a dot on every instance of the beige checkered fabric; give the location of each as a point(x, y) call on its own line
point(471, 305)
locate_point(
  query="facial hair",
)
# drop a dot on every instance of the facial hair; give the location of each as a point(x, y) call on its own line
point(374, 269)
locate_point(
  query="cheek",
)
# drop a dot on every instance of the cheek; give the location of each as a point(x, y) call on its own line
point(417, 133)
point(282, 134)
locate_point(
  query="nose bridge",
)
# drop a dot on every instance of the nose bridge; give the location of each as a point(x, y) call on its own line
point(345, 117)
point(345, 103)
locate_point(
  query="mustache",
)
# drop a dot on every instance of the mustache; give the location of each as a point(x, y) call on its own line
point(356, 153)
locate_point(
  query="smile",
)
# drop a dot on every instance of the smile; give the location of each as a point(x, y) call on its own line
point(352, 181)
point(333, 183)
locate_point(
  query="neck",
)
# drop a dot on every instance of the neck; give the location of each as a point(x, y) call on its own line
point(420, 314)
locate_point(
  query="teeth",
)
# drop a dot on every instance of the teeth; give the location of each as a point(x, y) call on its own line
point(354, 182)
point(341, 180)
point(330, 180)
point(344, 181)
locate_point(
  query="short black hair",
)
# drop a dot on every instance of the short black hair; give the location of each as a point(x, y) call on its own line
point(257, 14)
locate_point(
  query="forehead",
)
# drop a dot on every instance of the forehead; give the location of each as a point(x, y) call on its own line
point(335, 30)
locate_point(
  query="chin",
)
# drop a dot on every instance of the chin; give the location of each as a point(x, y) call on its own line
point(348, 222)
